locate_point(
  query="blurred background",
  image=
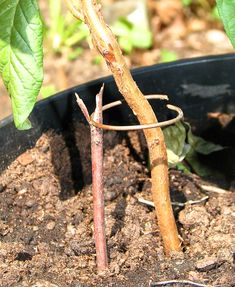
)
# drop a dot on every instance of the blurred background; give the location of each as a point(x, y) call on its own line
point(148, 31)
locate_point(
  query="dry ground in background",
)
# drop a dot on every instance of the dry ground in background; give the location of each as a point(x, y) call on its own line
point(184, 33)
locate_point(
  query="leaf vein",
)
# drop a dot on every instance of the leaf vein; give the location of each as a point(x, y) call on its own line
point(26, 43)
point(20, 62)
point(4, 10)
point(22, 10)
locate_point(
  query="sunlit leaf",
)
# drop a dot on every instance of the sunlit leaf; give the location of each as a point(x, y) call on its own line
point(21, 55)
point(226, 10)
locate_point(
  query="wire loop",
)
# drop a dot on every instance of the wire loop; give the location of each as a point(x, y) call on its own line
point(139, 127)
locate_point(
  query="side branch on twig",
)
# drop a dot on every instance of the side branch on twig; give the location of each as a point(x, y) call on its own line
point(74, 11)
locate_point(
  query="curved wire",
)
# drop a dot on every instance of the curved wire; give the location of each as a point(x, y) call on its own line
point(139, 127)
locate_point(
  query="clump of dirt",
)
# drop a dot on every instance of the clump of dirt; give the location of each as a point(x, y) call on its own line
point(46, 225)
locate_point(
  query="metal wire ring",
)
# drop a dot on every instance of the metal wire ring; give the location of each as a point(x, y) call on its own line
point(139, 127)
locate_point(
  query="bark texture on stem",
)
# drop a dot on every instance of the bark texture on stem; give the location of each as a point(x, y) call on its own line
point(97, 187)
point(104, 40)
point(97, 180)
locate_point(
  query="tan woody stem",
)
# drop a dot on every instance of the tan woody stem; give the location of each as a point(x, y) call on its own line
point(104, 40)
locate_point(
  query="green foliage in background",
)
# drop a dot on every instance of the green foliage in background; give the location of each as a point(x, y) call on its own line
point(47, 90)
point(21, 55)
point(63, 30)
point(215, 13)
point(226, 10)
point(186, 2)
point(167, 56)
point(132, 36)
point(205, 5)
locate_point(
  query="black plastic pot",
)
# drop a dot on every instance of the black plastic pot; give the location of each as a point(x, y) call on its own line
point(198, 86)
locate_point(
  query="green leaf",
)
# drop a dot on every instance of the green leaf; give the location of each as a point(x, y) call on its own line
point(168, 56)
point(175, 139)
point(200, 145)
point(226, 10)
point(122, 27)
point(125, 44)
point(21, 55)
point(47, 91)
point(141, 37)
point(132, 35)
point(183, 145)
point(186, 2)
point(198, 166)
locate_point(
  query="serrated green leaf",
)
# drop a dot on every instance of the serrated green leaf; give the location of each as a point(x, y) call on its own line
point(226, 10)
point(21, 55)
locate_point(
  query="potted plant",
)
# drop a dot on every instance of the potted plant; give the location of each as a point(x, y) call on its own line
point(193, 89)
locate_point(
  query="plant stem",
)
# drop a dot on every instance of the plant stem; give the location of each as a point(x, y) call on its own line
point(97, 181)
point(97, 187)
point(104, 40)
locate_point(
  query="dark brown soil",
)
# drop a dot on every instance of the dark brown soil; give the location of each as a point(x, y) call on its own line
point(46, 226)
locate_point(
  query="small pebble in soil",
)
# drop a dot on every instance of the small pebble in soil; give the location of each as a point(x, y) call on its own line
point(4, 228)
point(194, 216)
point(22, 191)
point(23, 256)
point(193, 276)
point(50, 225)
point(2, 188)
point(25, 159)
point(206, 264)
point(30, 203)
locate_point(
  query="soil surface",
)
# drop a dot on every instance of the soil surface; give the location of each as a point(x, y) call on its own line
point(46, 225)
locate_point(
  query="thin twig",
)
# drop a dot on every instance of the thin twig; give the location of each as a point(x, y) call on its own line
point(197, 201)
point(97, 180)
point(83, 108)
point(74, 11)
point(211, 188)
point(181, 204)
point(171, 282)
point(97, 186)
